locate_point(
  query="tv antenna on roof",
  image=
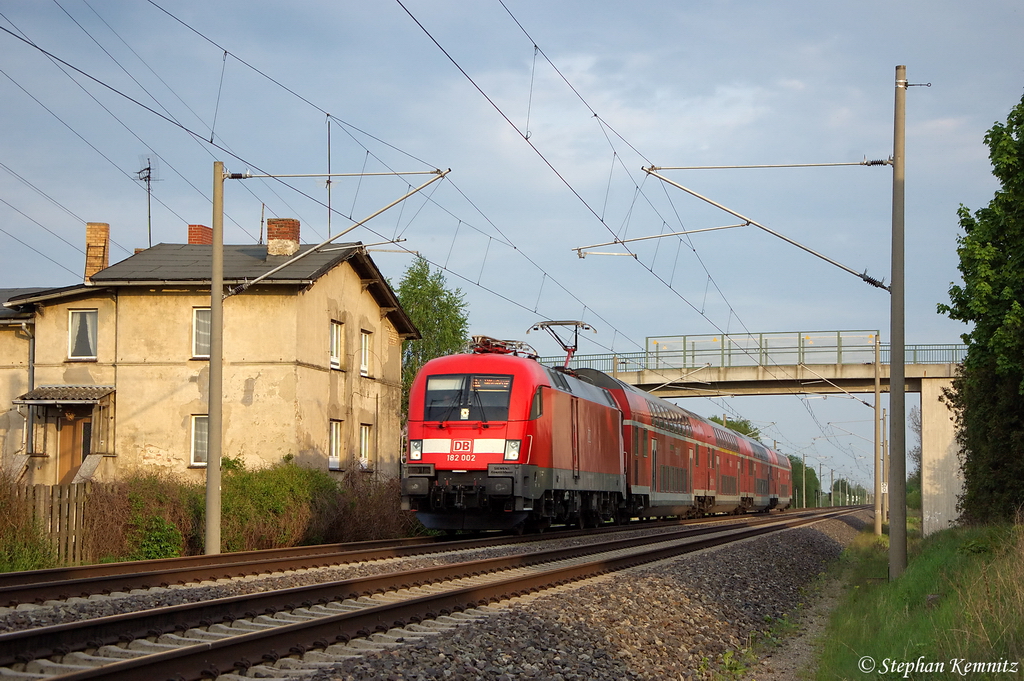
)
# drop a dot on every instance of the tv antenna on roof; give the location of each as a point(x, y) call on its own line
point(148, 174)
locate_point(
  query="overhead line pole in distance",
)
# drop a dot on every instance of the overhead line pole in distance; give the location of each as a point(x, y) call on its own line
point(878, 436)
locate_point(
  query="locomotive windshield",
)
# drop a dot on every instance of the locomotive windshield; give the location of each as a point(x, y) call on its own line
point(467, 397)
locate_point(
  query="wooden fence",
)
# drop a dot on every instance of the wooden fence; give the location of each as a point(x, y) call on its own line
point(60, 511)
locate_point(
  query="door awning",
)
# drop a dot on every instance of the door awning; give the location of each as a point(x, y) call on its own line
point(65, 394)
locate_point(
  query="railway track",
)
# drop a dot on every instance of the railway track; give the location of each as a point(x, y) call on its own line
point(307, 627)
point(83, 581)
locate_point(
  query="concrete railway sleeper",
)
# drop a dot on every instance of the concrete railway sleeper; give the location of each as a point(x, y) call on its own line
point(83, 581)
point(315, 632)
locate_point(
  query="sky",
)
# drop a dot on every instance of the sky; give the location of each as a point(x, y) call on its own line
point(545, 113)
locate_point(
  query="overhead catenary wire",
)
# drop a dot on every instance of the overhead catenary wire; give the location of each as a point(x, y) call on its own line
point(555, 170)
point(544, 274)
point(603, 124)
point(194, 134)
point(60, 64)
point(864, 276)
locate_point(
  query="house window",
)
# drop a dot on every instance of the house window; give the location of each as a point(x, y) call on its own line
point(82, 334)
point(334, 455)
point(364, 353)
point(337, 343)
point(200, 439)
point(201, 332)
point(366, 454)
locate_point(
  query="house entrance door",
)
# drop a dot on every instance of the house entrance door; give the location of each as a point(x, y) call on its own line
point(74, 438)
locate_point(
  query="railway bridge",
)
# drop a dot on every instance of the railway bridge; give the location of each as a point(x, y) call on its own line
point(804, 363)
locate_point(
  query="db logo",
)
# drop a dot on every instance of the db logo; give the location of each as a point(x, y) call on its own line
point(462, 445)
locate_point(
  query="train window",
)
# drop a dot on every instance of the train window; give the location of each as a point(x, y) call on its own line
point(537, 406)
point(559, 380)
point(467, 397)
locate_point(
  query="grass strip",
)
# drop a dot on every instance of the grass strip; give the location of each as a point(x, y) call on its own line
point(956, 612)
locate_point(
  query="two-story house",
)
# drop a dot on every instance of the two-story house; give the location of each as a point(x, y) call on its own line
point(113, 373)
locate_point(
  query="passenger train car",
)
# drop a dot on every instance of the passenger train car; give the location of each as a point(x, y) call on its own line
point(500, 441)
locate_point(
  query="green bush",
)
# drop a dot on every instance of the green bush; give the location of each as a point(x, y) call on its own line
point(282, 505)
point(147, 515)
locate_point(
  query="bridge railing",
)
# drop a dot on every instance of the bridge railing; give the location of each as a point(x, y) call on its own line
point(696, 358)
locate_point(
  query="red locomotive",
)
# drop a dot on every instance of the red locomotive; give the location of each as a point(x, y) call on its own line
point(499, 441)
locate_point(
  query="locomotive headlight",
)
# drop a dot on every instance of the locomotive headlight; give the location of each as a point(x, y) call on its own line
point(512, 450)
point(415, 450)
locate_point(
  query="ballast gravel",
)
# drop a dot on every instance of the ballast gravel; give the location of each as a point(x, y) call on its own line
point(686, 618)
point(30, 615)
point(683, 618)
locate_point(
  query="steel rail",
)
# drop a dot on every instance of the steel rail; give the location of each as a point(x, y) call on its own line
point(212, 658)
point(85, 580)
point(72, 572)
point(29, 644)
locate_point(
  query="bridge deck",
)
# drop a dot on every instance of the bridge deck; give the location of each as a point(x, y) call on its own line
point(762, 364)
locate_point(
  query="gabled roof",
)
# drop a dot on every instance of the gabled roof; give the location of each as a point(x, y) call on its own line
point(191, 264)
point(167, 263)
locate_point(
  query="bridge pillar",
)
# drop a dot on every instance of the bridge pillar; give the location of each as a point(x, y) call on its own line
point(941, 479)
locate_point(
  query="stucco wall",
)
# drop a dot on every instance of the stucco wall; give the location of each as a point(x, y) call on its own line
point(280, 392)
point(14, 348)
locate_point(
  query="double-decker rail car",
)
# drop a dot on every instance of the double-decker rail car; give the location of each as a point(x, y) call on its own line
point(500, 441)
point(679, 464)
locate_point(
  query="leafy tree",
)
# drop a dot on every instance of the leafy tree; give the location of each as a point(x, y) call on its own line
point(741, 426)
point(988, 394)
point(440, 314)
point(813, 486)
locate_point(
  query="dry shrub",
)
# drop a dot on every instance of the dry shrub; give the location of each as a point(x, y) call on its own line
point(372, 509)
point(144, 515)
point(23, 544)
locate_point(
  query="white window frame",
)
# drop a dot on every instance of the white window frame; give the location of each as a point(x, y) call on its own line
point(366, 458)
point(336, 442)
point(86, 314)
point(337, 344)
point(365, 340)
point(199, 446)
point(196, 349)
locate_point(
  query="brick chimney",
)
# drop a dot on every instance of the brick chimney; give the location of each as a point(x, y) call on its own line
point(200, 235)
point(97, 248)
point(282, 236)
